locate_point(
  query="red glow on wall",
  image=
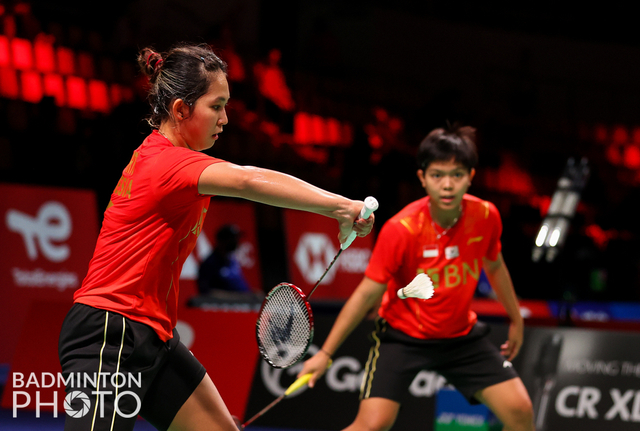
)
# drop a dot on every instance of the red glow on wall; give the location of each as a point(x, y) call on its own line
point(85, 65)
point(76, 92)
point(22, 53)
point(31, 84)
point(5, 57)
point(620, 135)
point(600, 133)
point(66, 61)
point(334, 131)
point(310, 129)
point(317, 129)
point(9, 83)
point(301, 128)
point(127, 94)
point(631, 157)
point(115, 93)
point(44, 54)
point(54, 87)
point(98, 96)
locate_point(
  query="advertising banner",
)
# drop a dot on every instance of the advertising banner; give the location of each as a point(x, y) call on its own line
point(582, 379)
point(312, 243)
point(47, 236)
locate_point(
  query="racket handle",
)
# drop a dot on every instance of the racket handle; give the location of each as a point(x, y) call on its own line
point(370, 205)
point(298, 384)
point(301, 381)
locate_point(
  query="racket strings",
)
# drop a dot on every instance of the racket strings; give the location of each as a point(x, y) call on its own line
point(284, 327)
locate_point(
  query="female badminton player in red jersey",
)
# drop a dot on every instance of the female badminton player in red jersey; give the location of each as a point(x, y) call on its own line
point(121, 326)
point(451, 236)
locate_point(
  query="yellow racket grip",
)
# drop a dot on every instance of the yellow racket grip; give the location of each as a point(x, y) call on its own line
point(301, 381)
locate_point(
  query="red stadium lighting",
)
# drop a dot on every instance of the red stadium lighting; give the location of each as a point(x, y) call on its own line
point(22, 53)
point(9, 83)
point(98, 96)
point(66, 61)
point(45, 56)
point(302, 128)
point(31, 85)
point(76, 93)
point(333, 131)
point(601, 133)
point(86, 65)
point(5, 56)
point(317, 129)
point(631, 157)
point(54, 87)
point(620, 135)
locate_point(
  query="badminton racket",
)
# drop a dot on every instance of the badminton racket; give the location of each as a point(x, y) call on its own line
point(284, 329)
point(295, 387)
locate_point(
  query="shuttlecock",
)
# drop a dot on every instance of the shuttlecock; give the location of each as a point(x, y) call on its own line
point(420, 287)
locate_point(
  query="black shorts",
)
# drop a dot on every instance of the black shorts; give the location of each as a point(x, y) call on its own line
point(116, 369)
point(470, 363)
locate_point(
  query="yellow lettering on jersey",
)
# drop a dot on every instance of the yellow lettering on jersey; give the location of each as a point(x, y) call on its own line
point(132, 164)
point(466, 270)
point(451, 276)
point(123, 188)
point(434, 276)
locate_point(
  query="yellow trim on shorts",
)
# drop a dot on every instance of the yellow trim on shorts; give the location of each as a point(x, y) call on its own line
point(124, 326)
point(370, 367)
point(104, 343)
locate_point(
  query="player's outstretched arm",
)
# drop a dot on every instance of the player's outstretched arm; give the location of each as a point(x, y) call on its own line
point(366, 296)
point(284, 191)
point(500, 280)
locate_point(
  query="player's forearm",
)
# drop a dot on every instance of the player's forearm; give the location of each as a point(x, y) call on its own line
point(503, 288)
point(352, 313)
point(272, 188)
point(500, 280)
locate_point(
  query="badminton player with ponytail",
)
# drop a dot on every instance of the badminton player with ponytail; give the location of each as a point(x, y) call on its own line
point(124, 315)
point(451, 236)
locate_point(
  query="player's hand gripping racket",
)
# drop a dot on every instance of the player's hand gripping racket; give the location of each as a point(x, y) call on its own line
point(295, 387)
point(284, 329)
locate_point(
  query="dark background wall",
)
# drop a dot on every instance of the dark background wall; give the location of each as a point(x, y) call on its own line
point(540, 82)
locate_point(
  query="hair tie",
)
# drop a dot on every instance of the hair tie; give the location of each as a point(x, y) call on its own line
point(154, 54)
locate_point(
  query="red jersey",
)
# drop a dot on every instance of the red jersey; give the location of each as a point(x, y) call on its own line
point(149, 229)
point(408, 244)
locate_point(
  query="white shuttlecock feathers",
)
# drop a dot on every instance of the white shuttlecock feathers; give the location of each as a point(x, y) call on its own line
point(420, 287)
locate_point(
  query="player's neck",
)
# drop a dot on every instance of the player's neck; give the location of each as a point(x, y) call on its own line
point(443, 217)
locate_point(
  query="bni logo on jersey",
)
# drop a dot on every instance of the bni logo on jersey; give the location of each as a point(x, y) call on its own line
point(86, 392)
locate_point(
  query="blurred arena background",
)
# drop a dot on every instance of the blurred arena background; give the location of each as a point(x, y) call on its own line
point(339, 94)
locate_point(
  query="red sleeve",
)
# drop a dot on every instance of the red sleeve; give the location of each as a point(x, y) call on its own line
point(180, 172)
point(386, 258)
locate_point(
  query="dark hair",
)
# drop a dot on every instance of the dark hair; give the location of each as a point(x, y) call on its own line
point(182, 73)
point(455, 142)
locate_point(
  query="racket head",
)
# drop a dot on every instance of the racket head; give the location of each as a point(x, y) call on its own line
point(284, 329)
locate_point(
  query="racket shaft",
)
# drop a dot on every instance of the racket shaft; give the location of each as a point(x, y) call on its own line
point(294, 387)
point(264, 410)
point(325, 273)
